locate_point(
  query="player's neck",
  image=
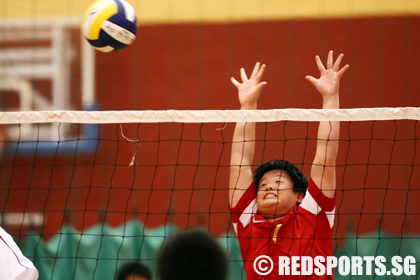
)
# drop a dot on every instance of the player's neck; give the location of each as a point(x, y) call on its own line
point(275, 218)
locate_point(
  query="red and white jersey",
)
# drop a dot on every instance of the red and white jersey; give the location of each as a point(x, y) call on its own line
point(304, 231)
point(13, 264)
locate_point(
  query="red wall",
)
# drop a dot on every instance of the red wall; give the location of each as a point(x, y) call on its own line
point(187, 67)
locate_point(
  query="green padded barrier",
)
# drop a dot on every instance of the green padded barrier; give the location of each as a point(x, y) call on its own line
point(99, 251)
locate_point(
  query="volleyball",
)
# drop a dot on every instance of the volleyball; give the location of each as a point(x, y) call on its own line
point(109, 25)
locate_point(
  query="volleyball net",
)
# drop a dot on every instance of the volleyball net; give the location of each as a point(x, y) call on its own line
point(105, 188)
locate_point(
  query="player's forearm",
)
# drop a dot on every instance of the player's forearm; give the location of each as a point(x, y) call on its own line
point(327, 145)
point(243, 146)
point(331, 102)
point(323, 169)
point(329, 133)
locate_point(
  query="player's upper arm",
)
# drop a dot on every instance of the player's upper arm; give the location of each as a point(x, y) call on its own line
point(323, 171)
point(241, 178)
point(242, 156)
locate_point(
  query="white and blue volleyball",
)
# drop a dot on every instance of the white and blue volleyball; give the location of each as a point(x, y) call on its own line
point(110, 25)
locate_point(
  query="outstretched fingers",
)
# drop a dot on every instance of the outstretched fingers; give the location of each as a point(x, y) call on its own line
point(336, 66)
point(243, 75)
point(331, 65)
point(235, 82)
point(342, 70)
point(255, 70)
point(261, 85)
point(256, 75)
point(318, 61)
point(258, 71)
point(330, 60)
point(311, 79)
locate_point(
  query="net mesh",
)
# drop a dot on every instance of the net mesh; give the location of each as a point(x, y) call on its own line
point(114, 192)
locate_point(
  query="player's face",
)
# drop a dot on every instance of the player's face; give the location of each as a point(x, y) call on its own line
point(275, 195)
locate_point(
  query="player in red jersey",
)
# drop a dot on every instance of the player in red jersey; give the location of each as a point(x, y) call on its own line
point(279, 211)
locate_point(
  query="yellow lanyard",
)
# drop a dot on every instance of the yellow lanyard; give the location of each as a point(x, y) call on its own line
point(276, 231)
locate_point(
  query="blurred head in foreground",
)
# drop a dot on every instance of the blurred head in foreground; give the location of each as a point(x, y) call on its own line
point(192, 255)
point(134, 271)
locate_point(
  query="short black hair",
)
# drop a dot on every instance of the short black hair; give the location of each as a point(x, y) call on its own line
point(134, 268)
point(192, 255)
point(300, 181)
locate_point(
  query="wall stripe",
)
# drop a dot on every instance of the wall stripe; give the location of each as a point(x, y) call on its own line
point(173, 11)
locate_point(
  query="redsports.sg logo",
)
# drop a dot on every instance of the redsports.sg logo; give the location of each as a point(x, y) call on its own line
point(355, 265)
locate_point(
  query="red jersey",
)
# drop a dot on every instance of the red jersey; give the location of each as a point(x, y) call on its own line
point(304, 231)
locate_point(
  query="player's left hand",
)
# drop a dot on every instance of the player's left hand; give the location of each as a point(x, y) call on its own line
point(328, 83)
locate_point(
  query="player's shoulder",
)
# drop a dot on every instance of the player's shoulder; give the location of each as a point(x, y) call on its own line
point(247, 196)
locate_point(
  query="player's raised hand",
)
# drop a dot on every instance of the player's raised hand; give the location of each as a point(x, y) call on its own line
point(250, 88)
point(328, 83)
